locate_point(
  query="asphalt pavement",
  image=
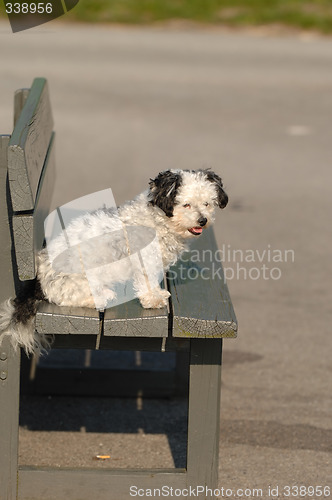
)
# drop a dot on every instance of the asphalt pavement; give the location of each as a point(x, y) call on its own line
point(256, 107)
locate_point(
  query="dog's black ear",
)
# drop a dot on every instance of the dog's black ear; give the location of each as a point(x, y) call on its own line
point(222, 196)
point(163, 191)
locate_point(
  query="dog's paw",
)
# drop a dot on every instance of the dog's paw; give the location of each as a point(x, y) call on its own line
point(108, 295)
point(102, 301)
point(156, 299)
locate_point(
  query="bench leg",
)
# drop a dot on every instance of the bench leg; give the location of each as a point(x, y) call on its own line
point(204, 415)
point(9, 419)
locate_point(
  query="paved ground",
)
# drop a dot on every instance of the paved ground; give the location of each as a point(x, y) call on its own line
point(131, 102)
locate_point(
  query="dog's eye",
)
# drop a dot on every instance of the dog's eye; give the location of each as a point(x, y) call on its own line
point(187, 205)
point(206, 204)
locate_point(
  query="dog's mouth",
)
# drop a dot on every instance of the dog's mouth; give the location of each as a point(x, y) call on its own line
point(196, 230)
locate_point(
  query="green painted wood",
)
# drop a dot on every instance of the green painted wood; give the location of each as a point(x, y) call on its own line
point(28, 146)
point(204, 413)
point(23, 238)
point(7, 288)
point(76, 341)
point(9, 360)
point(152, 344)
point(28, 228)
point(85, 484)
point(56, 320)
point(132, 320)
point(20, 98)
point(9, 416)
point(201, 302)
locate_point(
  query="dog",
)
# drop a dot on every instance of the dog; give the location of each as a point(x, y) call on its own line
point(177, 206)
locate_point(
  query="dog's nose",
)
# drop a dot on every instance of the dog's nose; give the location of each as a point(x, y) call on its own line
point(202, 221)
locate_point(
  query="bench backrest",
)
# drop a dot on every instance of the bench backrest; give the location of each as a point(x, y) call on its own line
point(31, 172)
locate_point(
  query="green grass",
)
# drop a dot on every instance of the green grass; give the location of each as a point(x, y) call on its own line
point(303, 14)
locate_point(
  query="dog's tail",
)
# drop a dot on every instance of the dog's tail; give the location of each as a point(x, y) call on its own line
point(17, 319)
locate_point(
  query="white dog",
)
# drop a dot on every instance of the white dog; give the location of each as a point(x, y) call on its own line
point(137, 242)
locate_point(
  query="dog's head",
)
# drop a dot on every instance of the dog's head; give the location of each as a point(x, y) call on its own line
point(188, 198)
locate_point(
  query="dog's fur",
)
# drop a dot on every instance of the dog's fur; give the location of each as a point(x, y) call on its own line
point(178, 205)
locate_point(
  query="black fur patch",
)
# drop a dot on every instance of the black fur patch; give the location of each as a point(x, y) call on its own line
point(26, 301)
point(163, 191)
point(222, 196)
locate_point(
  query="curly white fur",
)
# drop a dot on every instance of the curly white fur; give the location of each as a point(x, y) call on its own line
point(178, 206)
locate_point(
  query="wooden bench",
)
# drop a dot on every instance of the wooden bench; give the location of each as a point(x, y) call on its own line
point(200, 315)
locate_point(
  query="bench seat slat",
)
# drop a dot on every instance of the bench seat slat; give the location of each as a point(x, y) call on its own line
point(201, 303)
point(201, 307)
point(132, 320)
point(67, 320)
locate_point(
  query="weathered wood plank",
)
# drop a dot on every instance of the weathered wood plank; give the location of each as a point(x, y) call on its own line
point(200, 299)
point(28, 146)
point(132, 320)
point(23, 238)
point(20, 98)
point(9, 360)
point(57, 320)
point(84, 484)
point(6, 265)
point(28, 229)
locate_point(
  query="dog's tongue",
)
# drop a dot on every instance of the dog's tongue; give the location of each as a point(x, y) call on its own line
point(196, 230)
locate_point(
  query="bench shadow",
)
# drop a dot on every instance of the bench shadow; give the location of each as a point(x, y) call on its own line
point(159, 413)
point(52, 407)
point(109, 415)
